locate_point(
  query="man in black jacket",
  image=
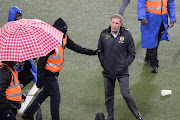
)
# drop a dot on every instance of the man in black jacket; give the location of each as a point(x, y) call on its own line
point(8, 108)
point(116, 53)
point(49, 79)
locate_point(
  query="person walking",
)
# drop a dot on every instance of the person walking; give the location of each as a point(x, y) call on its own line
point(116, 53)
point(153, 15)
point(27, 70)
point(123, 6)
point(10, 91)
point(48, 72)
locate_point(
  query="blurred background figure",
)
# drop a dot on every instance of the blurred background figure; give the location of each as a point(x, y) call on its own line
point(123, 6)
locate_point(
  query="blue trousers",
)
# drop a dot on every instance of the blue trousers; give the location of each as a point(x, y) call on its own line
point(50, 88)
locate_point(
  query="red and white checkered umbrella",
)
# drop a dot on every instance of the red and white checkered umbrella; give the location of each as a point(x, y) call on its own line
point(27, 38)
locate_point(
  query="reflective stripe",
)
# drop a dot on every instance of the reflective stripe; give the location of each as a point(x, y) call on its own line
point(56, 57)
point(57, 51)
point(55, 61)
point(15, 95)
point(54, 65)
point(13, 86)
point(13, 92)
point(153, 0)
point(66, 38)
point(156, 8)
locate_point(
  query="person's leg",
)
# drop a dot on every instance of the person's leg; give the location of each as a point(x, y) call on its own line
point(127, 95)
point(151, 54)
point(31, 110)
point(54, 93)
point(109, 85)
point(151, 57)
point(123, 6)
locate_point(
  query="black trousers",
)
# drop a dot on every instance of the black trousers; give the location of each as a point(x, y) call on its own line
point(151, 54)
point(50, 89)
point(109, 85)
point(7, 114)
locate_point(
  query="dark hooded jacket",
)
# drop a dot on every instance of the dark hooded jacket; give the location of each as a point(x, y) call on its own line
point(62, 26)
point(116, 54)
point(12, 13)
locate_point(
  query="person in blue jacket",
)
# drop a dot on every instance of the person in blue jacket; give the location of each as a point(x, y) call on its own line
point(15, 13)
point(27, 71)
point(153, 15)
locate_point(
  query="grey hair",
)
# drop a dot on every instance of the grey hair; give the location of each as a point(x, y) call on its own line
point(117, 16)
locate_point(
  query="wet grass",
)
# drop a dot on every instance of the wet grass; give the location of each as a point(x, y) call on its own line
point(81, 82)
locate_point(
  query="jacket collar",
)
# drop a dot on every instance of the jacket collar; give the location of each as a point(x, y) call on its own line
point(109, 30)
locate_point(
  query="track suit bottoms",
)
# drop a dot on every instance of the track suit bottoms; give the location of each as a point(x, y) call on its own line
point(50, 88)
point(109, 85)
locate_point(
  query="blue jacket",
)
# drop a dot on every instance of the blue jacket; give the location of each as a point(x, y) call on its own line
point(12, 13)
point(149, 32)
point(11, 17)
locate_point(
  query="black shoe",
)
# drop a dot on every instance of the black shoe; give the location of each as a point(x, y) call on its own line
point(26, 116)
point(100, 116)
point(139, 117)
point(155, 69)
point(147, 62)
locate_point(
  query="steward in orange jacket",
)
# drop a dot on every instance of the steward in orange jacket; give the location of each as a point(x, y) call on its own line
point(10, 91)
point(154, 16)
point(48, 71)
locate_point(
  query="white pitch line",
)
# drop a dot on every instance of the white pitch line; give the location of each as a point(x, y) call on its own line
point(29, 97)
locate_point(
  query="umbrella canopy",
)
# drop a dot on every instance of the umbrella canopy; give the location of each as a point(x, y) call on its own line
point(27, 38)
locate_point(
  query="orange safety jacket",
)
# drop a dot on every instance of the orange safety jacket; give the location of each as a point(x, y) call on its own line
point(13, 92)
point(55, 61)
point(157, 6)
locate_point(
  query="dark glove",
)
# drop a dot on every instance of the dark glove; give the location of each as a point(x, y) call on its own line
point(39, 83)
point(95, 52)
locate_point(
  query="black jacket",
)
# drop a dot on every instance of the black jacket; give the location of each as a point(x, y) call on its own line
point(71, 45)
point(25, 76)
point(5, 79)
point(116, 54)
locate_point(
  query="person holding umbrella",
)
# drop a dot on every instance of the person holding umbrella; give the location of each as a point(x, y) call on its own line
point(27, 70)
point(10, 91)
point(48, 72)
point(39, 41)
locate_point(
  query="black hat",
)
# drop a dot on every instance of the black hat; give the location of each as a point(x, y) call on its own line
point(60, 25)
